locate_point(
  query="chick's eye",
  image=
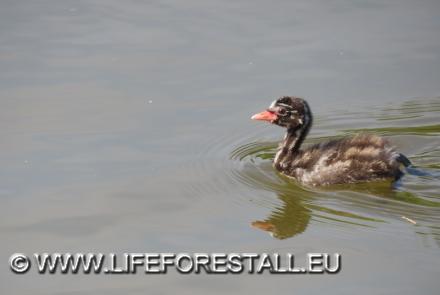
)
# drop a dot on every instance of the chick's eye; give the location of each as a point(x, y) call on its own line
point(282, 112)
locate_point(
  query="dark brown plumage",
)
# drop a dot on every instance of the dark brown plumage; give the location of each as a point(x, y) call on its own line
point(361, 158)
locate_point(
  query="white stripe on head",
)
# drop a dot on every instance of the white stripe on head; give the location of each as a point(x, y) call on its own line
point(285, 105)
point(273, 104)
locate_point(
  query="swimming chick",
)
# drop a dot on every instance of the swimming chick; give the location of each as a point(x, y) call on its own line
point(361, 158)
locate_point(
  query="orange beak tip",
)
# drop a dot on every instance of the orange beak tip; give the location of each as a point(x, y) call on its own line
point(265, 116)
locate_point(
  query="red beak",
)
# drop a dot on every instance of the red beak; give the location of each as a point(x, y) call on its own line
point(265, 116)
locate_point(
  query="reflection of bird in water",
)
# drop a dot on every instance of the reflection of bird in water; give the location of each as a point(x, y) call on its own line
point(293, 216)
point(349, 160)
point(286, 221)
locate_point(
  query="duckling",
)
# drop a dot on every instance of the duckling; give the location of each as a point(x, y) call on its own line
point(362, 158)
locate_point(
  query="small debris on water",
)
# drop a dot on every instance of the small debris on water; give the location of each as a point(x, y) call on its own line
point(409, 220)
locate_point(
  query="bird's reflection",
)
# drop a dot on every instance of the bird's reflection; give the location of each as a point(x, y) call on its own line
point(292, 217)
point(287, 220)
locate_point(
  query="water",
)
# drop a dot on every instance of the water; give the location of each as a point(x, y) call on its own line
point(126, 128)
